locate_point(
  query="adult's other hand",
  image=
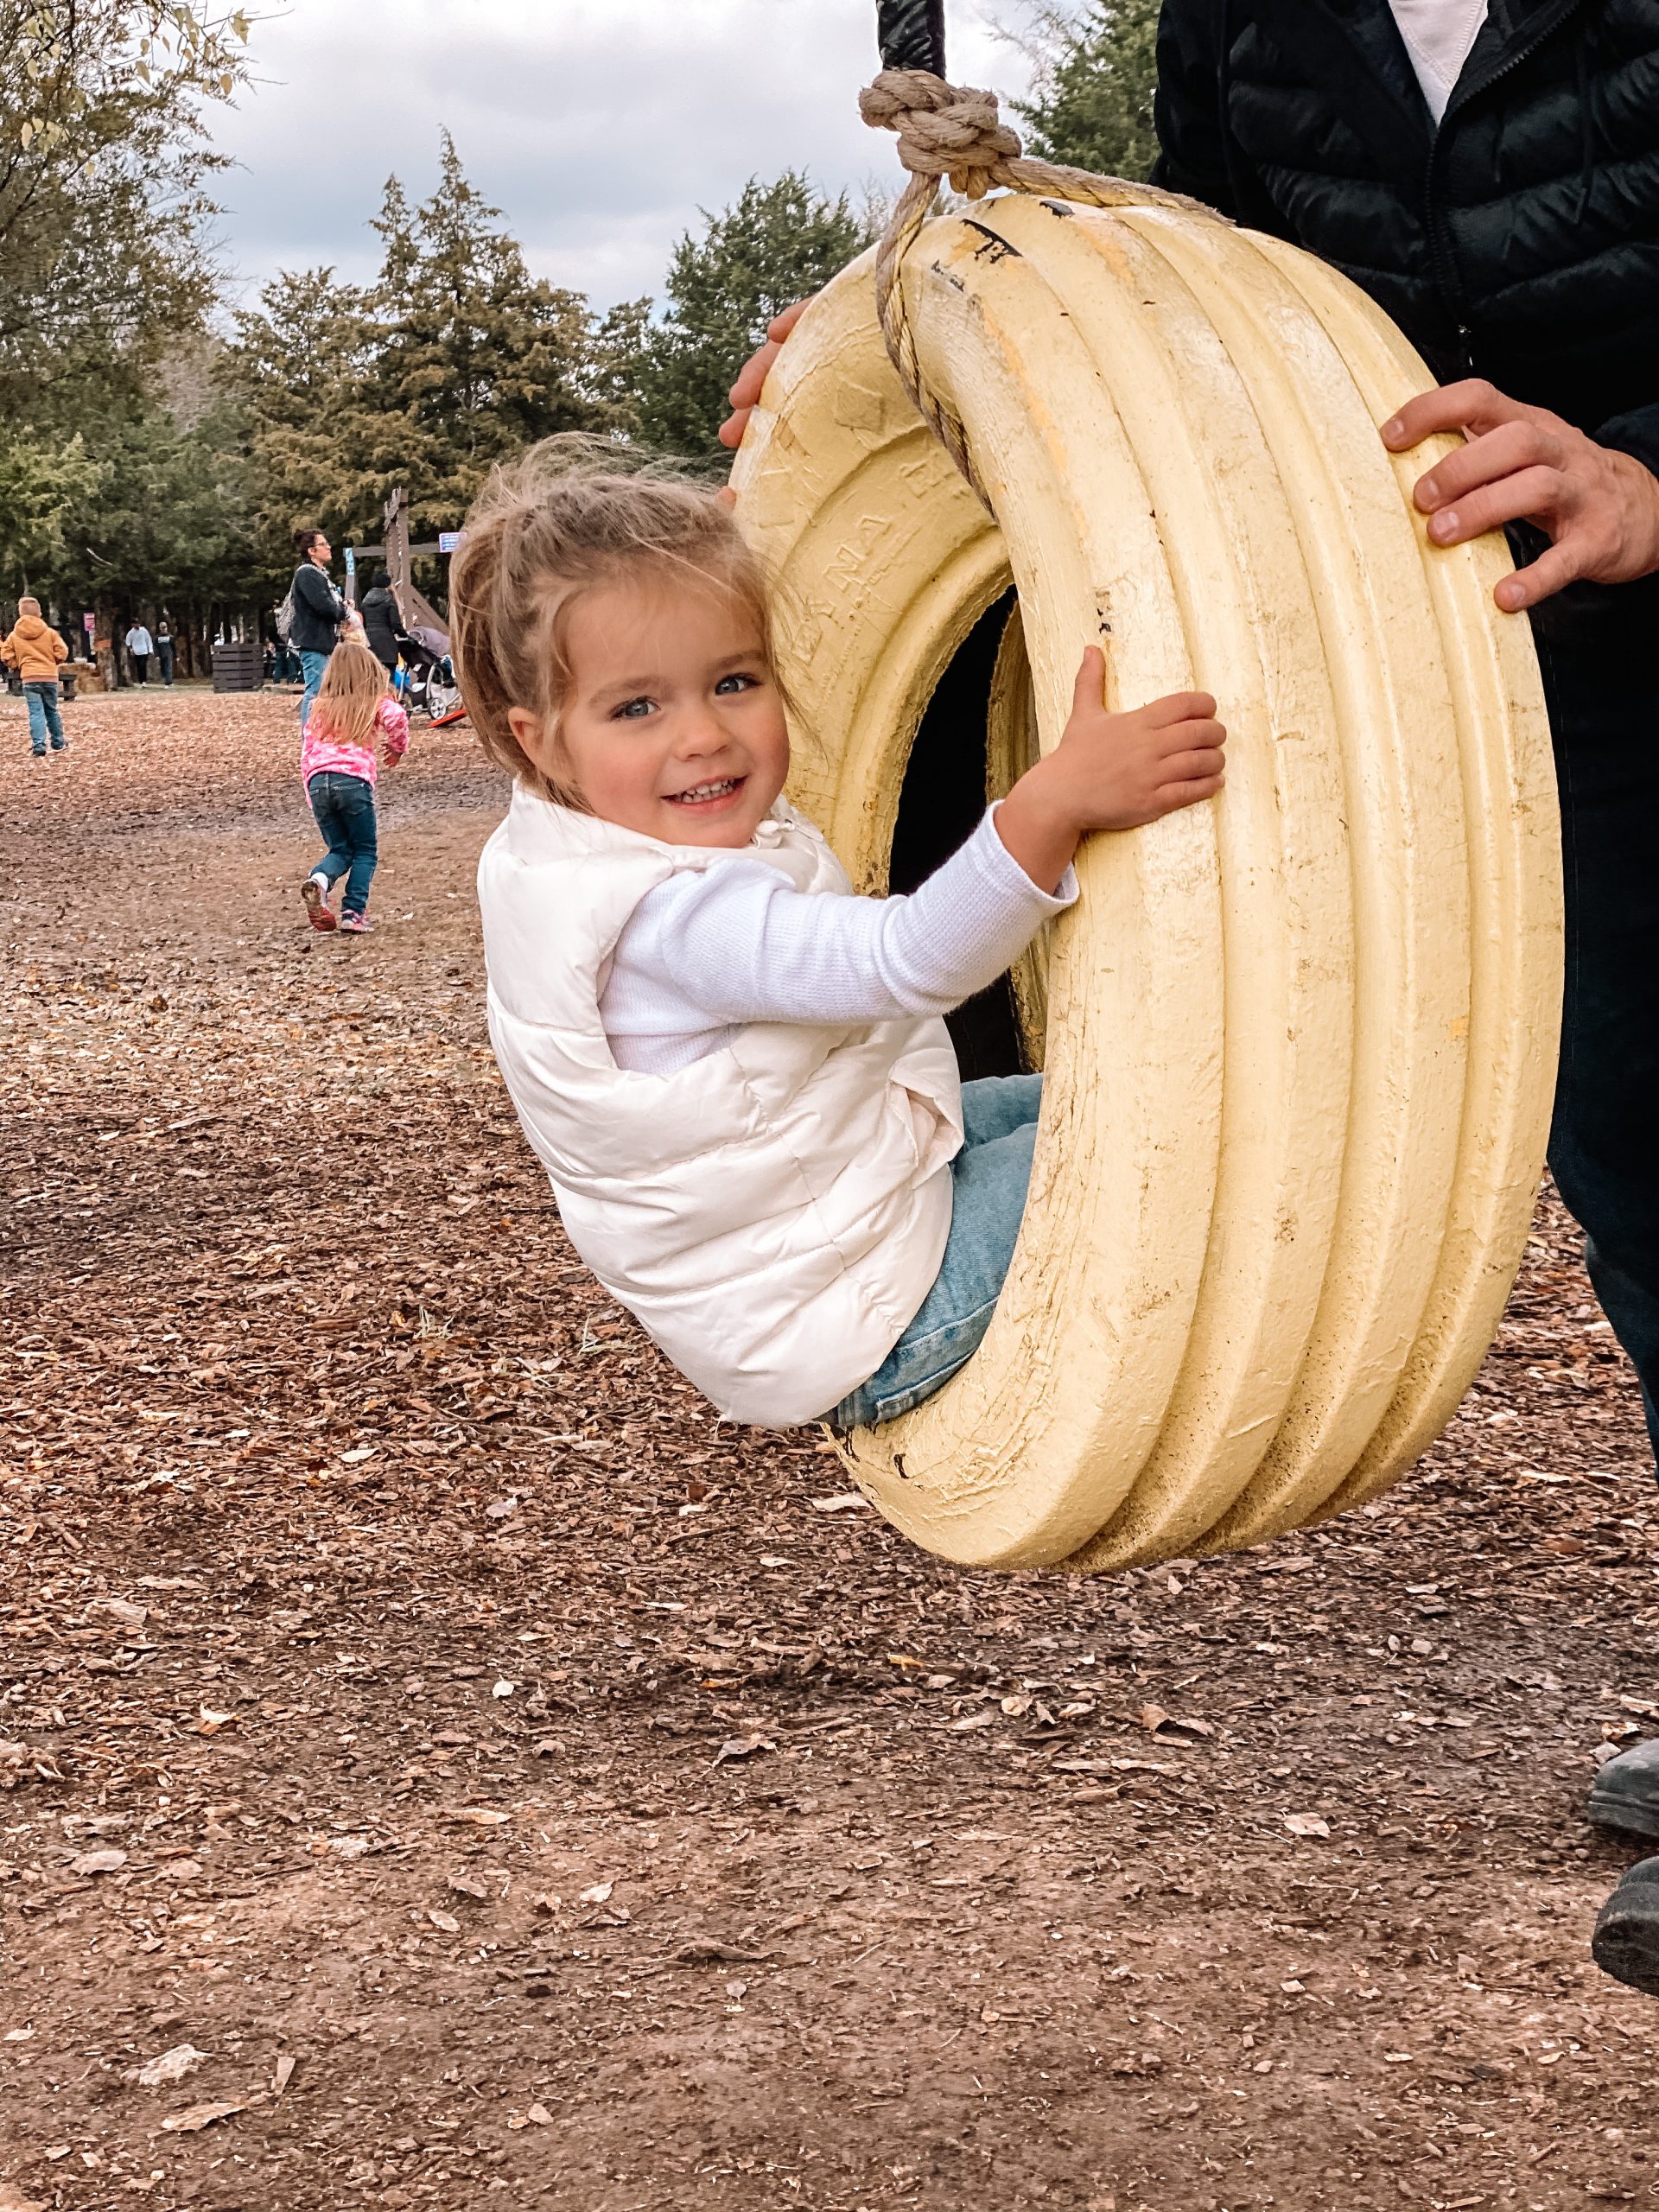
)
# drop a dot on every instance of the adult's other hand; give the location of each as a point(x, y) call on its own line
point(744, 393)
point(1598, 507)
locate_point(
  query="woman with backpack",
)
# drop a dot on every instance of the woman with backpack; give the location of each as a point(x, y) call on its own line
point(315, 612)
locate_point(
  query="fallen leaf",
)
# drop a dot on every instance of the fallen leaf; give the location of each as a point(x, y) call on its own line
point(98, 1862)
point(195, 2117)
point(210, 1722)
point(846, 1501)
point(172, 2066)
point(467, 1885)
point(482, 1816)
point(743, 1747)
point(1306, 1824)
point(282, 2072)
point(539, 2116)
point(704, 1951)
point(964, 1721)
point(599, 1894)
point(122, 1609)
point(445, 1921)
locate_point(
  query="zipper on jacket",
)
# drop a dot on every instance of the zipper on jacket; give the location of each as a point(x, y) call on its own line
point(1440, 236)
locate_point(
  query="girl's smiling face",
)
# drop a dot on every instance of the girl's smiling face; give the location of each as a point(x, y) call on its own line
point(672, 723)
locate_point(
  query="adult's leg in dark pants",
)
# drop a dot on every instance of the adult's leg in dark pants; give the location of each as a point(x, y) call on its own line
point(1603, 699)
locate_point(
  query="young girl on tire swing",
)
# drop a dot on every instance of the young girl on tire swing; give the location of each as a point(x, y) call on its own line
point(733, 1071)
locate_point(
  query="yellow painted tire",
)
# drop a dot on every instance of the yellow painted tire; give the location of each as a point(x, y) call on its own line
point(1300, 1042)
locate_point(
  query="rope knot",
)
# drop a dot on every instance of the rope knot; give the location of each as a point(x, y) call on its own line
point(943, 130)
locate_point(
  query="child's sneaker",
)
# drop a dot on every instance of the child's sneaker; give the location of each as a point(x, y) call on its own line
point(359, 924)
point(314, 892)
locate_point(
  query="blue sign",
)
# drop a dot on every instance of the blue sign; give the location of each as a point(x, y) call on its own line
point(448, 540)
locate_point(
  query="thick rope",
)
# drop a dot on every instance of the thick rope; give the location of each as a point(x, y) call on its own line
point(953, 131)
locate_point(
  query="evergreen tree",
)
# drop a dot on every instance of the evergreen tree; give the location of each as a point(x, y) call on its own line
point(169, 517)
point(301, 370)
point(42, 481)
point(1092, 103)
point(779, 243)
point(479, 359)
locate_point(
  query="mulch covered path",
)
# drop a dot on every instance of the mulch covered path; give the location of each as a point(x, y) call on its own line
point(478, 1778)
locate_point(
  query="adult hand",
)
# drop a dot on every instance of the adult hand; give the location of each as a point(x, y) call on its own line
point(746, 391)
point(1599, 508)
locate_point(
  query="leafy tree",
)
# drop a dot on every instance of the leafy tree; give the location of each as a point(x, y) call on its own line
point(780, 242)
point(1095, 74)
point(103, 171)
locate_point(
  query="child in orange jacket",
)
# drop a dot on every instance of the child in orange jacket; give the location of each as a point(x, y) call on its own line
point(34, 649)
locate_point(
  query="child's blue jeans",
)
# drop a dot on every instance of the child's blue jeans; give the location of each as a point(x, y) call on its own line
point(991, 1174)
point(43, 716)
point(344, 806)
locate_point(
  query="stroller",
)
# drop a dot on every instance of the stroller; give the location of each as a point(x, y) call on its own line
point(425, 682)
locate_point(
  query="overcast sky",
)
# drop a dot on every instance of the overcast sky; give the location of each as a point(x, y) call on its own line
point(600, 127)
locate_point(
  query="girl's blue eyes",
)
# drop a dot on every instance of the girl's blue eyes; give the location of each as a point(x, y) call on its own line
point(633, 710)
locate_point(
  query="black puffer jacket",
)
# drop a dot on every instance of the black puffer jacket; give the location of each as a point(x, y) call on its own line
point(1520, 242)
point(319, 610)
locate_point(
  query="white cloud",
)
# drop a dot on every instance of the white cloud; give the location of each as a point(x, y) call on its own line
point(599, 126)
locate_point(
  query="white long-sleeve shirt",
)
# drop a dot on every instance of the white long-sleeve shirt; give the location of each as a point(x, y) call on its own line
point(1438, 37)
point(712, 949)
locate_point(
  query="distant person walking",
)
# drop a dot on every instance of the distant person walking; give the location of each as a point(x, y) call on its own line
point(351, 713)
point(34, 650)
point(318, 612)
point(164, 649)
point(140, 645)
point(382, 626)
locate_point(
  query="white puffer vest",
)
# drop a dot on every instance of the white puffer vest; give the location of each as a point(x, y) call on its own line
point(773, 1214)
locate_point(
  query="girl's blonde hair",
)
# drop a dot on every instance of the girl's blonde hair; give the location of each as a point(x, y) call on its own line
point(349, 696)
point(574, 513)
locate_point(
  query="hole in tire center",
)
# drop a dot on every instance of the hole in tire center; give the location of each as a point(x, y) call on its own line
point(940, 803)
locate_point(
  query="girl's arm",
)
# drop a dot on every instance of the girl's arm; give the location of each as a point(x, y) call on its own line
point(394, 727)
point(738, 943)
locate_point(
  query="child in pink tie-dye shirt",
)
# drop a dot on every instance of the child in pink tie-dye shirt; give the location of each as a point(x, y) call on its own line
point(353, 716)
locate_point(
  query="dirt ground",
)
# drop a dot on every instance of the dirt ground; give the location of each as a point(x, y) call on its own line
point(521, 1789)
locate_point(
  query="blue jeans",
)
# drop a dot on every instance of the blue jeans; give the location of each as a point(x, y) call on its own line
point(43, 716)
point(344, 806)
point(311, 668)
point(990, 1176)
